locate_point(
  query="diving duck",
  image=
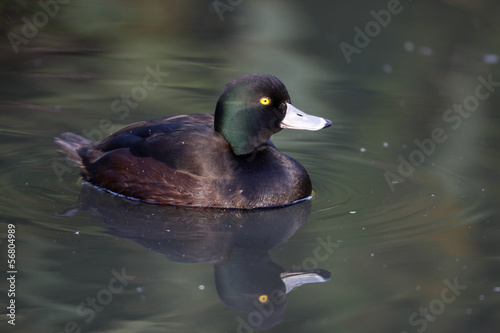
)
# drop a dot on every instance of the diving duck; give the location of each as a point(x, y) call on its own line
point(225, 160)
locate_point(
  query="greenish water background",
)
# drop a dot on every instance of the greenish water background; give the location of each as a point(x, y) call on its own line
point(404, 231)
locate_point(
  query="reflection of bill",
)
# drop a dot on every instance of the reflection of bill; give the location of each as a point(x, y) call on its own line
point(267, 309)
point(236, 242)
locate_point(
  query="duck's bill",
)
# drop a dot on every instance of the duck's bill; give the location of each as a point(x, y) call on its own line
point(296, 119)
point(296, 279)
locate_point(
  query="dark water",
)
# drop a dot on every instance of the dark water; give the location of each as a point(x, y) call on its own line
point(404, 214)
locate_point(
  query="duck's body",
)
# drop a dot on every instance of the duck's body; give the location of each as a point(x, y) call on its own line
point(194, 160)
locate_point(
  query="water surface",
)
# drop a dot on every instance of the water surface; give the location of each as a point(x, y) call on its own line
point(404, 213)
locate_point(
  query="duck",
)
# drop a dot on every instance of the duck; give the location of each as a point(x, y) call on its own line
point(221, 160)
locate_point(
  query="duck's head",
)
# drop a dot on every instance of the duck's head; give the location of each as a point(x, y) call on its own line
point(253, 107)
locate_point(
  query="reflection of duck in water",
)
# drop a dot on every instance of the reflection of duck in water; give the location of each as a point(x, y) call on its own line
point(235, 242)
point(200, 160)
point(249, 281)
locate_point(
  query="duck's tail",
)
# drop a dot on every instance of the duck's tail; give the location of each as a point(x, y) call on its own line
point(72, 143)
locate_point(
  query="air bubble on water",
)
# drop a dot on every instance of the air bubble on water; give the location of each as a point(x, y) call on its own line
point(409, 46)
point(425, 51)
point(491, 58)
point(387, 68)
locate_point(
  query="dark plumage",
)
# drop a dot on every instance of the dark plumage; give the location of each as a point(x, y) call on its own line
point(182, 160)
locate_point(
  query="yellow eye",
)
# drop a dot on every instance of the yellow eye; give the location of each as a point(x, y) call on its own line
point(263, 298)
point(265, 101)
